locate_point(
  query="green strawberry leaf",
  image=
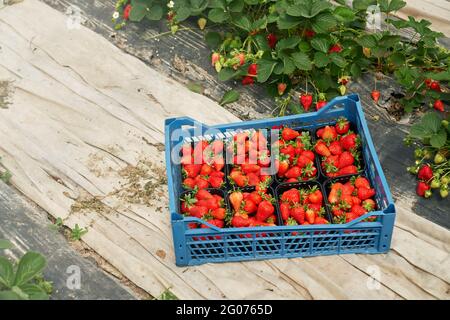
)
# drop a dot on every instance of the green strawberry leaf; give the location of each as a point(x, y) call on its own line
point(431, 122)
point(439, 139)
point(6, 273)
point(265, 69)
point(31, 264)
point(213, 39)
point(230, 97)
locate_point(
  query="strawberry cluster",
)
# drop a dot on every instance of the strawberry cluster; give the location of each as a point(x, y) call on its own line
point(204, 205)
point(339, 148)
point(250, 154)
point(302, 206)
point(202, 165)
point(351, 199)
point(252, 209)
point(296, 160)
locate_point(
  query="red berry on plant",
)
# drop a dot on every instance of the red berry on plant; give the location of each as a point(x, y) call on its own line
point(248, 80)
point(425, 173)
point(253, 69)
point(422, 187)
point(439, 105)
point(320, 104)
point(126, 12)
point(375, 95)
point(335, 48)
point(306, 101)
point(435, 86)
point(272, 40)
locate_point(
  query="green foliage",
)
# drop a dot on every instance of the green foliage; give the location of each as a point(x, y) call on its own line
point(77, 233)
point(230, 97)
point(306, 30)
point(431, 131)
point(167, 295)
point(23, 280)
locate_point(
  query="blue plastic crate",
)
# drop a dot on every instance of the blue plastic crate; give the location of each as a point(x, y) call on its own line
point(198, 246)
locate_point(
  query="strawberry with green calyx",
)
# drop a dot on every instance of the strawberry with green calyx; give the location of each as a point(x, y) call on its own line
point(342, 126)
point(425, 173)
point(369, 205)
point(421, 188)
point(289, 134)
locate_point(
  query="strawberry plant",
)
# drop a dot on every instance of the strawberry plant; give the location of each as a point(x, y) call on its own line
point(307, 51)
point(23, 280)
point(430, 136)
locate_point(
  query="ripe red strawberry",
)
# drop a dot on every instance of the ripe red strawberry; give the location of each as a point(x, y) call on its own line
point(240, 180)
point(361, 182)
point(236, 199)
point(252, 69)
point(206, 170)
point(309, 154)
point(428, 82)
point(289, 134)
point(293, 172)
point(342, 126)
point(350, 216)
point(345, 159)
point(248, 167)
point(203, 195)
point(201, 183)
point(356, 200)
point(272, 40)
point(369, 205)
point(438, 105)
point(197, 211)
point(358, 210)
point(349, 142)
point(126, 12)
point(239, 221)
point(335, 148)
point(249, 206)
point(306, 101)
point(329, 133)
point(189, 183)
point(320, 220)
point(320, 104)
point(364, 193)
point(288, 150)
point(291, 196)
point(253, 179)
point(421, 188)
point(192, 170)
point(435, 86)
point(375, 95)
point(265, 210)
point(316, 197)
point(319, 132)
point(247, 80)
point(218, 163)
point(298, 213)
point(309, 33)
point(335, 48)
point(219, 213)
point(215, 222)
point(347, 170)
point(281, 88)
point(322, 149)
point(425, 173)
point(310, 216)
point(282, 166)
point(215, 182)
point(284, 210)
point(255, 197)
point(303, 161)
point(217, 147)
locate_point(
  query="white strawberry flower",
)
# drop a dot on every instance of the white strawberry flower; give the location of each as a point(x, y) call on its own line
point(170, 4)
point(116, 15)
